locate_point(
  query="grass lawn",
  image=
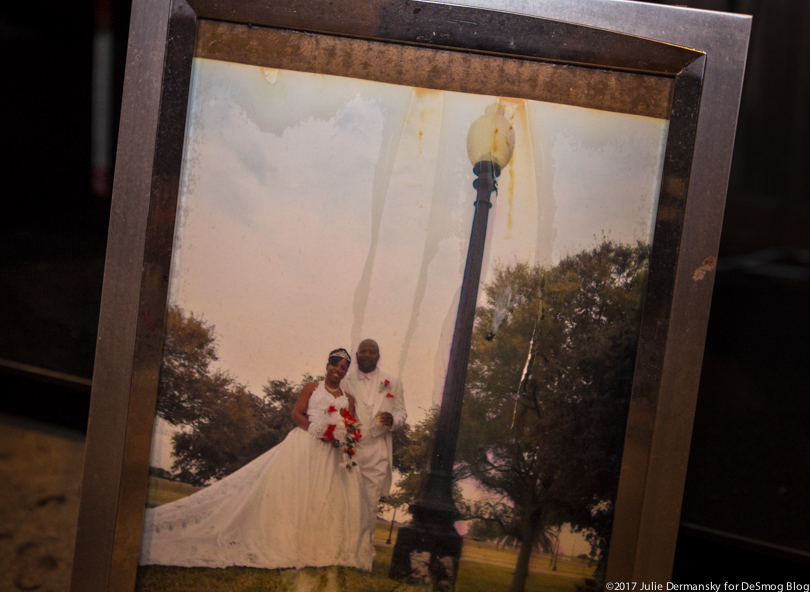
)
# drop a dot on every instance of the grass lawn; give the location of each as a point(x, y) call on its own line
point(481, 577)
point(154, 578)
point(484, 552)
point(162, 491)
point(472, 577)
point(483, 568)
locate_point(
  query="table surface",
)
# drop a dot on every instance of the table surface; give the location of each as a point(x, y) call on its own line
point(40, 479)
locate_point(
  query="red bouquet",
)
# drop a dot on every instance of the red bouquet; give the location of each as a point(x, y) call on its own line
point(353, 435)
point(345, 435)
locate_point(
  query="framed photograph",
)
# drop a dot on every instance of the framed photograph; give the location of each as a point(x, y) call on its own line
point(405, 294)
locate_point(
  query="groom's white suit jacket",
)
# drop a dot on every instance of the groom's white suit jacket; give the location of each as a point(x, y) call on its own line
point(380, 392)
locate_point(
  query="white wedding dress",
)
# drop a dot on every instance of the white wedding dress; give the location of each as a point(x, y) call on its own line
point(294, 506)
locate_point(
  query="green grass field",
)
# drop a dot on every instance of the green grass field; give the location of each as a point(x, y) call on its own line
point(472, 577)
point(486, 553)
point(162, 491)
point(155, 578)
point(483, 568)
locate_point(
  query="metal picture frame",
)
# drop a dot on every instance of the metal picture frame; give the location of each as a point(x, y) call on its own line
point(700, 55)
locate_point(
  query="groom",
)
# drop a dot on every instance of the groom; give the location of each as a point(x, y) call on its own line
point(380, 409)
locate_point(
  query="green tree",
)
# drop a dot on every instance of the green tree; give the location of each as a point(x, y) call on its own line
point(401, 441)
point(278, 400)
point(222, 439)
point(223, 425)
point(234, 428)
point(411, 456)
point(398, 498)
point(547, 396)
point(412, 448)
point(187, 379)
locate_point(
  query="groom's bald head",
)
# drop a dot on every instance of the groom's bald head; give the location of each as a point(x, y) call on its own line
point(367, 356)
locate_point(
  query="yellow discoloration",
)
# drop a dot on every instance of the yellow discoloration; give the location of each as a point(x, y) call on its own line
point(510, 193)
point(270, 74)
point(427, 110)
point(708, 265)
point(515, 110)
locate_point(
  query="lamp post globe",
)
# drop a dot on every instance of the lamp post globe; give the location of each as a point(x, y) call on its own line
point(429, 548)
point(491, 138)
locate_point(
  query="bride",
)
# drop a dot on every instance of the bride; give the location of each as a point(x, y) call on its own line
point(297, 505)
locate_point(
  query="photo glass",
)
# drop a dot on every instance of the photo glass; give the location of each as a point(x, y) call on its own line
point(316, 211)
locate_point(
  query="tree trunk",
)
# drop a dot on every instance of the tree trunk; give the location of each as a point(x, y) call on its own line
point(556, 552)
point(391, 531)
point(526, 545)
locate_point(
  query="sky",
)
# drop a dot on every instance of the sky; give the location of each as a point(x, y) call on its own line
point(316, 211)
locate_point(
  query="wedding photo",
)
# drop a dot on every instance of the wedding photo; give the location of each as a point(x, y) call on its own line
point(322, 231)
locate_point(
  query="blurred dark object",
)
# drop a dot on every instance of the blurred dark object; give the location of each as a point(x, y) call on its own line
point(44, 396)
point(744, 508)
point(748, 471)
point(705, 556)
point(53, 234)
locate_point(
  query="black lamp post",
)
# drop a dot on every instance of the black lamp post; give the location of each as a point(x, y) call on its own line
point(429, 548)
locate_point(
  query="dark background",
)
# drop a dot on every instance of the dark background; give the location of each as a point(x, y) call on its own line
point(745, 511)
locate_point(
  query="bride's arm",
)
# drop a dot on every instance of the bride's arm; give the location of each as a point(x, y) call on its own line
point(351, 404)
point(299, 412)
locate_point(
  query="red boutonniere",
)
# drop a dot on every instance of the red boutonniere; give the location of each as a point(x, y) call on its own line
point(389, 396)
point(384, 384)
point(332, 409)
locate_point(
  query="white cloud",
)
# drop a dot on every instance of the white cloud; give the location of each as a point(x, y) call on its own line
point(283, 184)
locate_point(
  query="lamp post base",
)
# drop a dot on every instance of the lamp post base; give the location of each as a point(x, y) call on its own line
point(427, 553)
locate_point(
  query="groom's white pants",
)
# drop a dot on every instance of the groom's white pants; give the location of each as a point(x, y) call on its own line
point(372, 458)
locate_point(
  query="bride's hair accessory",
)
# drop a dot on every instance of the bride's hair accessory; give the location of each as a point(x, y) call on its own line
point(339, 354)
